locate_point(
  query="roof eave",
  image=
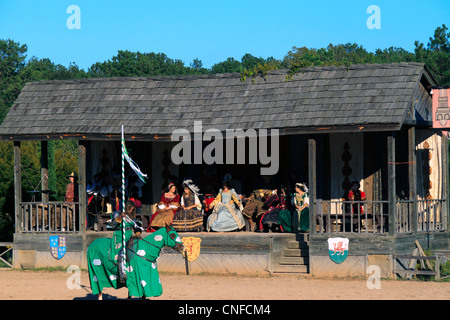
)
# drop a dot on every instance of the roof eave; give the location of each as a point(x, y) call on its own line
point(167, 137)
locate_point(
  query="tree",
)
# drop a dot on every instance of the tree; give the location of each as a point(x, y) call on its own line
point(341, 54)
point(44, 69)
point(249, 62)
point(6, 191)
point(436, 55)
point(12, 60)
point(228, 66)
point(136, 64)
point(393, 54)
point(31, 178)
point(66, 161)
point(440, 42)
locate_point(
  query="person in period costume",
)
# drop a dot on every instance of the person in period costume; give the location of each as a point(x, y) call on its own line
point(168, 206)
point(275, 204)
point(254, 206)
point(227, 213)
point(208, 198)
point(121, 221)
point(115, 181)
point(353, 209)
point(71, 189)
point(210, 184)
point(190, 217)
point(134, 185)
point(134, 196)
point(97, 199)
point(297, 219)
point(356, 195)
point(71, 195)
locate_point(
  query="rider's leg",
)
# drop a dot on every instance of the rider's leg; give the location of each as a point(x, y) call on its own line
point(122, 274)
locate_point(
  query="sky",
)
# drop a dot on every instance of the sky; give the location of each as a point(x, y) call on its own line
point(213, 30)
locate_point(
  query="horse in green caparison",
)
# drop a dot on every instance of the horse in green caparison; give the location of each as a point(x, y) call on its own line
point(142, 277)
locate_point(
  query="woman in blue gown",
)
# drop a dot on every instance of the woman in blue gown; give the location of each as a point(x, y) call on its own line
point(227, 213)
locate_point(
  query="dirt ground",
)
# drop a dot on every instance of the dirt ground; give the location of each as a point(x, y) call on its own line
point(53, 285)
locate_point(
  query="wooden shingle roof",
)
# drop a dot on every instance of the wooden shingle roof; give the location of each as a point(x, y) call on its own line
point(359, 97)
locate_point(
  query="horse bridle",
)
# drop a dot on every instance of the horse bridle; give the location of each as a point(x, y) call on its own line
point(177, 246)
point(129, 243)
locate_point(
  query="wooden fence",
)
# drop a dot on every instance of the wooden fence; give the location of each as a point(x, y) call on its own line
point(337, 216)
point(9, 247)
point(49, 217)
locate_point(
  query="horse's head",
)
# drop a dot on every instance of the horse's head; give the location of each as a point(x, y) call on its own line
point(173, 240)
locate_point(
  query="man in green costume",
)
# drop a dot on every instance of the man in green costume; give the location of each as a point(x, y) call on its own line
point(120, 223)
point(108, 270)
point(141, 268)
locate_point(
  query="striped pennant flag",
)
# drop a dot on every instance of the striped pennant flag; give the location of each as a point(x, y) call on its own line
point(130, 161)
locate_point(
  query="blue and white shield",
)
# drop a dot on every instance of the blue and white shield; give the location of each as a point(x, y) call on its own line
point(338, 249)
point(58, 246)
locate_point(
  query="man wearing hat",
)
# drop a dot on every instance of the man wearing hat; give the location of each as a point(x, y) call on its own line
point(71, 196)
point(72, 188)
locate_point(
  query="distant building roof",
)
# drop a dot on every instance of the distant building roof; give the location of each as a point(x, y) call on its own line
point(318, 99)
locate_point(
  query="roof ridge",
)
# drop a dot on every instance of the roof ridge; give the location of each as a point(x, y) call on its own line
point(361, 66)
point(233, 74)
point(135, 78)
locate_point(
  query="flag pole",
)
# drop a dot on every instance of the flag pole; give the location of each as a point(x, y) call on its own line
point(123, 171)
point(123, 204)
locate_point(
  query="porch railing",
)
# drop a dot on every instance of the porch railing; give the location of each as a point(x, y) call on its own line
point(430, 215)
point(49, 217)
point(336, 216)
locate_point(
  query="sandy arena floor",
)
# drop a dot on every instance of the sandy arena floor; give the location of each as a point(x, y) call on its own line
point(52, 285)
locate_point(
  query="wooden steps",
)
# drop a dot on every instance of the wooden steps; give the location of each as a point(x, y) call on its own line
point(295, 258)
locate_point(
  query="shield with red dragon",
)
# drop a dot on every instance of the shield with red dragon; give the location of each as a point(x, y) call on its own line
point(338, 249)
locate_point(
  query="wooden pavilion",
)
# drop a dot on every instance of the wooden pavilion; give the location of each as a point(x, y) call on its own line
point(365, 123)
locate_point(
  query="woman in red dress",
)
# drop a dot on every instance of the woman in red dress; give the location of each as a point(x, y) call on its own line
point(168, 206)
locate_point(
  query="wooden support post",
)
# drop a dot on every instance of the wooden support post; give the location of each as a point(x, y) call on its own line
point(17, 187)
point(412, 176)
point(391, 185)
point(44, 171)
point(422, 253)
point(82, 197)
point(82, 185)
point(312, 184)
point(445, 182)
point(437, 268)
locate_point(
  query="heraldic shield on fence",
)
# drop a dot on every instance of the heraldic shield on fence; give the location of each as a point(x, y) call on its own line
point(192, 247)
point(58, 246)
point(338, 249)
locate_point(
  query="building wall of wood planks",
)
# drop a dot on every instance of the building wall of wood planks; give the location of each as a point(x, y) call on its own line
point(222, 253)
point(368, 250)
